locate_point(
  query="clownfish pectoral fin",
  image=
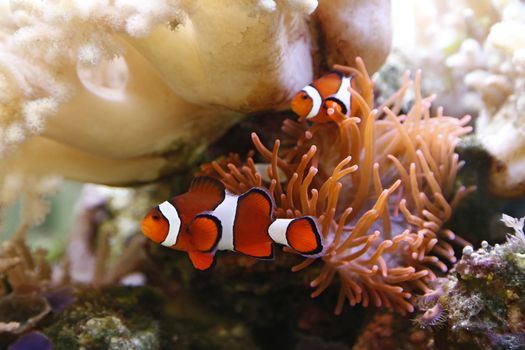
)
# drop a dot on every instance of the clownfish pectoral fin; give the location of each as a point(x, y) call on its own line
point(252, 219)
point(201, 261)
point(205, 231)
point(303, 235)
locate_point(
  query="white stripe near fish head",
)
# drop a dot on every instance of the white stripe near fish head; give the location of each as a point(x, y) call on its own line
point(172, 215)
point(317, 100)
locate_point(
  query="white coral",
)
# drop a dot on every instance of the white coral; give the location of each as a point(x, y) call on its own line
point(501, 83)
point(434, 36)
point(124, 91)
point(516, 225)
point(476, 49)
point(40, 40)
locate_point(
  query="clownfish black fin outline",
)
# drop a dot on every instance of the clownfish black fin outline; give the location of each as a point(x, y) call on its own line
point(206, 232)
point(303, 235)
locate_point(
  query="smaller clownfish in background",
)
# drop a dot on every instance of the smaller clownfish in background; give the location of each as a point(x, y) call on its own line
point(329, 91)
point(207, 218)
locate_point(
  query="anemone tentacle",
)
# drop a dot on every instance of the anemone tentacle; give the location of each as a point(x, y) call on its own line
point(381, 185)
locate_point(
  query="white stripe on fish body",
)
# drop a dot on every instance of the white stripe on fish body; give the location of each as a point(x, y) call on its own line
point(225, 213)
point(317, 100)
point(172, 215)
point(343, 94)
point(277, 231)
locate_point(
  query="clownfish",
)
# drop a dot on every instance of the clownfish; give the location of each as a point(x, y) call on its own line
point(329, 91)
point(207, 218)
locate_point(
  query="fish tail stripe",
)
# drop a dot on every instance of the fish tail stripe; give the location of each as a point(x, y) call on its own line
point(317, 100)
point(172, 215)
point(302, 234)
point(206, 231)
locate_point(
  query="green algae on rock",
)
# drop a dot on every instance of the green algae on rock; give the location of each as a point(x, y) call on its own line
point(478, 304)
point(111, 318)
point(111, 333)
point(140, 318)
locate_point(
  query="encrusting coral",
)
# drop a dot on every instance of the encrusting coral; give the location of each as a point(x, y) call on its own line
point(381, 184)
point(479, 303)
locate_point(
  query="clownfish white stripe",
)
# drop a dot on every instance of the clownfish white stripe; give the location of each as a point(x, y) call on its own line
point(171, 214)
point(277, 231)
point(343, 95)
point(225, 213)
point(317, 100)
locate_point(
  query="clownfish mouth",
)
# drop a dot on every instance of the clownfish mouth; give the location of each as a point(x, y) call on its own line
point(148, 230)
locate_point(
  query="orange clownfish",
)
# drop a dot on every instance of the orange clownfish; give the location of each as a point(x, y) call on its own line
point(207, 218)
point(329, 91)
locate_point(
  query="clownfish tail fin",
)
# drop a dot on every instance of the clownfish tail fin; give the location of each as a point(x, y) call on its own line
point(304, 236)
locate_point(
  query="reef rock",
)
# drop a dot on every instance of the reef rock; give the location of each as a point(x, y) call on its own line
point(479, 304)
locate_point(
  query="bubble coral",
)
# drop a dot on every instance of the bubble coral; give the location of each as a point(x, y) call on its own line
point(381, 184)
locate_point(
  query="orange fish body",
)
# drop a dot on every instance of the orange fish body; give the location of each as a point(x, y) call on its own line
point(332, 90)
point(207, 219)
point(169, 225)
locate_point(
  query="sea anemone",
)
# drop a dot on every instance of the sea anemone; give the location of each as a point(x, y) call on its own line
point(381, 184)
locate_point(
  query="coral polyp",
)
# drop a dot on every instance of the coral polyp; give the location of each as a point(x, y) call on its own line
point(381, 184)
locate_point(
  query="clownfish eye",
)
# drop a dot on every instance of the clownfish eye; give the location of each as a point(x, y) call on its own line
point(304, 95)
point(155, 217)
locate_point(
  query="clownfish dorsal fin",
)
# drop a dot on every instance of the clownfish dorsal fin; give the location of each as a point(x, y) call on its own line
point(328, 84)
point(252, 220)
point(205, 231)
point(201, 261)
point(205, 194)
point(303, 236)
point(207, 185)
